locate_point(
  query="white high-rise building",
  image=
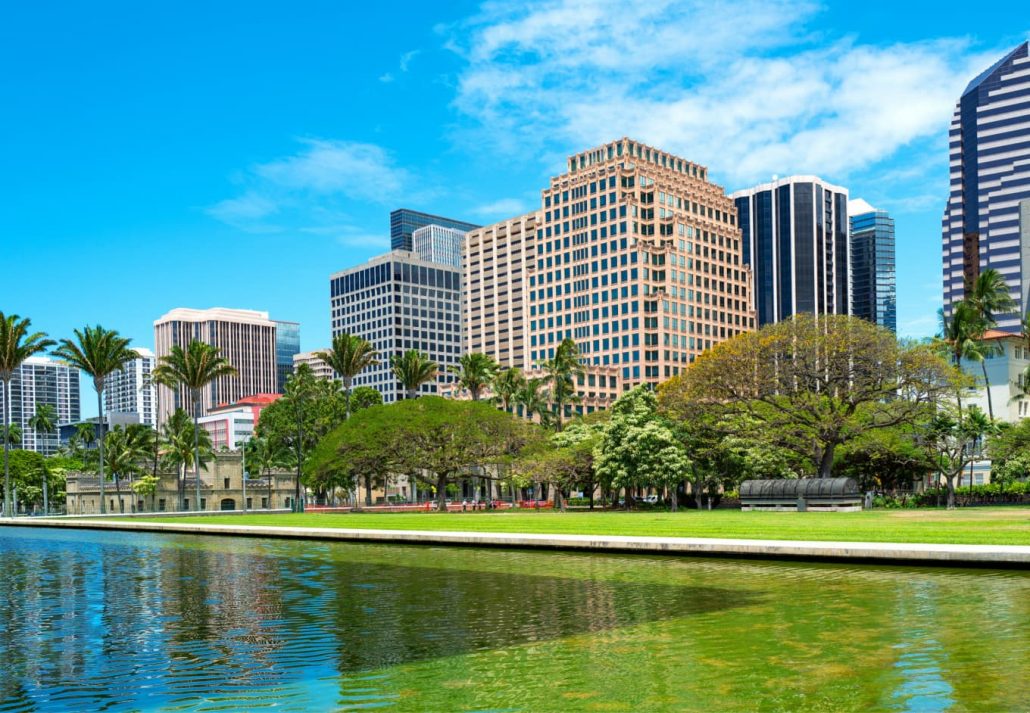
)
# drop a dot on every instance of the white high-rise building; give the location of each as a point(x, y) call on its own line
point(435, 243)
point(129, 390)
point(399, 302)
point(319, 368)
point(42, 380)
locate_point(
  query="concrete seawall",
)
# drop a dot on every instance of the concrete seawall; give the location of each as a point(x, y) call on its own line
point(1008, 556)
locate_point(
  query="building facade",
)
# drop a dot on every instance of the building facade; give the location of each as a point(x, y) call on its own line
point(434, 243)
point(873, 280)
point(639, 261)
point(398, 302)
point(794, 235)
point(232, 425)
point(245, 338)
point(986, 222)
point(404, 223)
point(495, 260)
point(287, 343)
point(221, 488)
point(42, 380)
point(130, 391)
point(319, 368)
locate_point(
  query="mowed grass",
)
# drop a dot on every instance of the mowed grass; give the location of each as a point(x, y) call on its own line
point(987, 526)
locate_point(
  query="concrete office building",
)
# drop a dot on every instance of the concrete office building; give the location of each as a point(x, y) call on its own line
point(638, 259)
point(398, 302)
point(319, 368)
point(287, 343)
point(873, 280)
point(434, 243)
point(232, 425)
point(129, 390)
point(247, 339)
point(42, 380)
point(404, 223)
point(795, 238)
point(494, 265)
point(986, 222)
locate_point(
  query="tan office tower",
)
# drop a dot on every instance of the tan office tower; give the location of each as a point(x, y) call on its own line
point(244, 337)
point(494, 261)
point(638, 260)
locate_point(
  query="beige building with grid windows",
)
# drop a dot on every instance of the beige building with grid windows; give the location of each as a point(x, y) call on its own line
point(244, 337)
point(319, 368)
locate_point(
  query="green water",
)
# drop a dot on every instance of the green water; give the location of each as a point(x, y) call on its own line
point(127, 621)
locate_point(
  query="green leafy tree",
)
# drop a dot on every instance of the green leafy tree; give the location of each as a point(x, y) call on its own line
point(475, 372)
point(349, 356)
point(194, 368)
point(811, 384)
point(532, 397)
point(146, 487)
point(562, 370)
point(17, 344)
point(989, 297)
point(265, 454)
point(565, 460)
point(182, 448)
point(364, 397)
point(887, 459)
point(44, 421)
point(13, 436)
point(638, 447)
point(437, 440)
point(950, 441)
point(412, 369)
point(98, 352)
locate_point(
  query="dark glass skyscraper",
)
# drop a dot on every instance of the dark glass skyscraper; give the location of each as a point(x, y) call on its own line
point(287, 343)
point(873, 282)
point(404, 222)
point(986, 223)
point(795, 238)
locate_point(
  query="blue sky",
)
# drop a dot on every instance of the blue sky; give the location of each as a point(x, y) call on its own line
point(157, 155)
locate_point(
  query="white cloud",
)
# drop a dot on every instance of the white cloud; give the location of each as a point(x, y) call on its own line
point(503, 208)
point(407, 58)
point(386, 78)
point(741, 87)
point(316, 189)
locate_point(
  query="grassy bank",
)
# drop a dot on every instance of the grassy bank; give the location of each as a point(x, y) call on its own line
point(987, 526)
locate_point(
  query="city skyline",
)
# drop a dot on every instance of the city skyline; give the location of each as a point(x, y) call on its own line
point(269, 201)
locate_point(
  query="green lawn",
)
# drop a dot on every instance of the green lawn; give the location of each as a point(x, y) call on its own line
point(1000, 525)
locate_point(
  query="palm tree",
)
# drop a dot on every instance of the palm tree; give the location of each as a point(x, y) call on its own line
point(120, 458)
point(349, 356)
point(412, 369)
point(988, 297)
point(99, 352)
point(156, 381)
point(474, 372)
point(183, 447)
point(562, 371)
point(13, 436)
point(301, 388)
point(44, 421)
point(958, 333)
point(194, 367)
point(16, 345)
point(978, 426)
point(532, 398)
point(265, 454)
point(506, 385)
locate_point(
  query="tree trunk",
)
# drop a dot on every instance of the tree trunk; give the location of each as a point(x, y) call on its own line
point(826, 462)
point(118, 494)
point(46, 500)
point(950, 480)
point(346, 397)
point(268, 484)
point(990, 402)
point(100, 445)
point(559, 498)
point(674, 500)
point(368, 490)
point(196, 445)
point(8, 512)
point(441, 493)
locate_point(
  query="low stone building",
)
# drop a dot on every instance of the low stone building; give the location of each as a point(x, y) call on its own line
point(221, 488)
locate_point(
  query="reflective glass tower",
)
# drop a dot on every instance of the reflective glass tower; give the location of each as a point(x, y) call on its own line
point(873, 282)
point(287, 343)
point(986, 223)
point(404, 223)
point(795, 238)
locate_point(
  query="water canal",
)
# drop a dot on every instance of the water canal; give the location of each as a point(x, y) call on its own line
point(134, 621)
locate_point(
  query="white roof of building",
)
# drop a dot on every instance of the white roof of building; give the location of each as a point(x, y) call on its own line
point(787, 180)
point(220, 314)
point(859, 207)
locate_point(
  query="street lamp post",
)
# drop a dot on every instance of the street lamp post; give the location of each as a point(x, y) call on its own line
point(243, 449)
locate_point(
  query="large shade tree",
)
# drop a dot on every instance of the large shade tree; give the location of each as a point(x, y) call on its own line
point(99, 353)
point(194, 368)
point(17, 343)
point(349, 356)
point(811, 384)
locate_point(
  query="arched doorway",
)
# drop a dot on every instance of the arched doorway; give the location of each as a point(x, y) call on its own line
point(227, 504)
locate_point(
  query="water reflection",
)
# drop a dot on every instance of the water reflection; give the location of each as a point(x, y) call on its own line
point(129, 621)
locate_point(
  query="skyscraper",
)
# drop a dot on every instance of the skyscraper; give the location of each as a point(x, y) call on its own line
point(638, 260)
point(42, 380)
point(795, 238)
point(434, 243)
point(398, 302)
point(245, 338)
point(873, 283)
point(129, 391)
point(287, 343)
point(404, 222)
point(986, 222)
